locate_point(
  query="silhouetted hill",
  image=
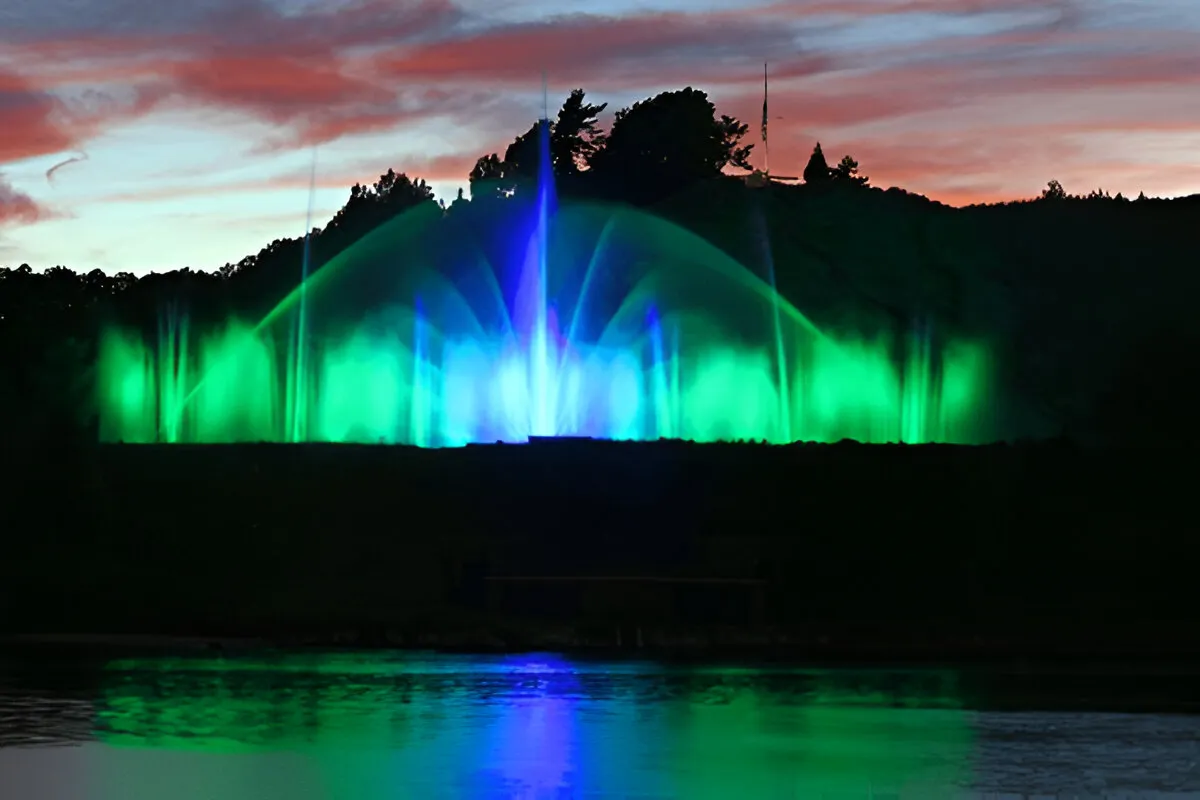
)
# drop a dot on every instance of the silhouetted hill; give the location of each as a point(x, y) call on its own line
point(1077, 295)
point(1086, 302)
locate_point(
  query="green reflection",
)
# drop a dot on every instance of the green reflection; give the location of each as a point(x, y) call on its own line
point(363, 726)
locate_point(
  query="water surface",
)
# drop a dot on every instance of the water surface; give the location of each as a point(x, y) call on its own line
point(368, 726)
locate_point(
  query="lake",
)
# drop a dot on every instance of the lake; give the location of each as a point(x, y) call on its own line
point(305, 726)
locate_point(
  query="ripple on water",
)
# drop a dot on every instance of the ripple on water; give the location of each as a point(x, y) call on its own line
point(326, 726)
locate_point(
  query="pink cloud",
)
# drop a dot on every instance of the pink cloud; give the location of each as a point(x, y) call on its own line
point(28, 128)
point(374, 64)
point(16, 207)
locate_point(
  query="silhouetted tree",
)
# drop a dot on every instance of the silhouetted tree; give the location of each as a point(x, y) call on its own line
point(522, 156)
point(576, 136)
point(487, 168)
point(816, 171)
point(369, 206)
point(847, 172)
point(398, 192)
point(487, 177)
point(459, 203)
point(1054, 191)
point(667, 142)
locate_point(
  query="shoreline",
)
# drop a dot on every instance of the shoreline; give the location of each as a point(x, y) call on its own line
point(1021, 655)
point(995, 681)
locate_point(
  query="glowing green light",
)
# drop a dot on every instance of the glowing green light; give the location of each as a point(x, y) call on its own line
point(388, 726)
point(697, 348)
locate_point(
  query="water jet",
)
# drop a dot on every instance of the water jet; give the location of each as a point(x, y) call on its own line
point(595, 321)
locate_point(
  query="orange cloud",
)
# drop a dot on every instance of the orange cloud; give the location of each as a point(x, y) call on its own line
point(877, 8)
point(319, 76)
point(960, 123)
point(645, 50)
point(26, 121)
point(369, 65)
point(35, 122)
point(18, 207)
point(289, 70)
point(308, 95)
point(295, 72)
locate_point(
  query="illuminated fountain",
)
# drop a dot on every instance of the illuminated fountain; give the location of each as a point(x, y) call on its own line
point(619, 325)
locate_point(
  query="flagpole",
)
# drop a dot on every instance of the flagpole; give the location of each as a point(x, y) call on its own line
point(766, 147)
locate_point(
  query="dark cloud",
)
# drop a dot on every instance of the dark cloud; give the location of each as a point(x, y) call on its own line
point(50, 173)
point(228, 21)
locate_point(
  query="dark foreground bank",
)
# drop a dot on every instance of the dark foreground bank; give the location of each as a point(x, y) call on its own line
point(841, 550)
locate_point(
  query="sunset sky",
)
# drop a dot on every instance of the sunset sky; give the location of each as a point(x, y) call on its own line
point(184, 131)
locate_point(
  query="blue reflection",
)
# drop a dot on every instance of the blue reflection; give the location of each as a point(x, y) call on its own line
point(361, 727)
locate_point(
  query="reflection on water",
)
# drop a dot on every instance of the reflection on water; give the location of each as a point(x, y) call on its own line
point(339, 726)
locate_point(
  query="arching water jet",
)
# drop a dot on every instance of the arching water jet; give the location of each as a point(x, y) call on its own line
point(399, 339)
